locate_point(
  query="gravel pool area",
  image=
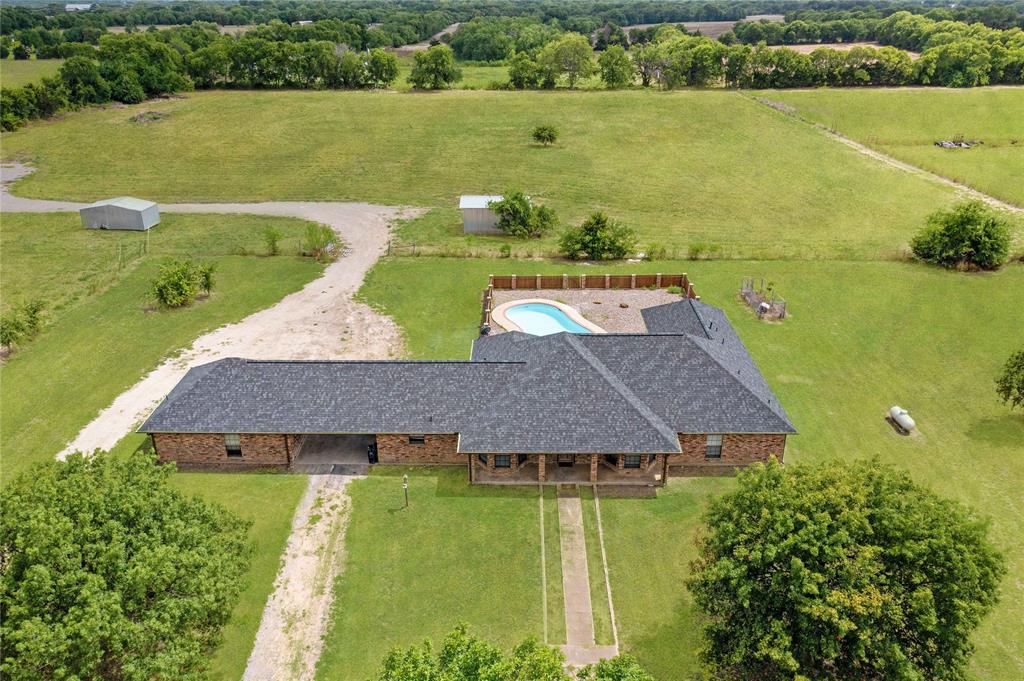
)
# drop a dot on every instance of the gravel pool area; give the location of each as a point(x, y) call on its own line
point(603, 307)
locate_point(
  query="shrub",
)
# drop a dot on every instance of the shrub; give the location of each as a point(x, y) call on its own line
point(321, 243)
point(655, 252)
point(109, 572)
point(841, 571)
point(272, 238)
point(970, 235)
point(505, 251)
point(1010, 383)
point(518, 217)
point(701, 250)
point(21, 323)
point(598, 238)
point(179, 281)
point(545, 135)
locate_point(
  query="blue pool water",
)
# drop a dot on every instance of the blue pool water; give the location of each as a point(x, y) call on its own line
point(541, 319)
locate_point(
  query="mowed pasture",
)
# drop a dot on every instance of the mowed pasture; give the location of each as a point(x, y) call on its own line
point(907, 122)
point(683, 168)
point(19, 72)
point(861, 337)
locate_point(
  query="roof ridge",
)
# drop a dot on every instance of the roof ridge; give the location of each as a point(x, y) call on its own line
point(696, 313)
point(620, 387)
point(783, 416)
point(380, 361)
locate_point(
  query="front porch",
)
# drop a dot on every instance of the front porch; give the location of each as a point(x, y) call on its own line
point(557, 469)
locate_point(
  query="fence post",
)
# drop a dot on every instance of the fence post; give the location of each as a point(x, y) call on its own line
point(490, 281)
point(632, 281)
point(657, 280)
point(583, 281)
point(607, 281)
point(565, 281)
point(538, 283)
point(513, 282)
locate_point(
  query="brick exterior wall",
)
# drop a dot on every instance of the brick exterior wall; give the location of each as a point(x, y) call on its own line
point(738, 450)
point(206, 450)
point(437, 449)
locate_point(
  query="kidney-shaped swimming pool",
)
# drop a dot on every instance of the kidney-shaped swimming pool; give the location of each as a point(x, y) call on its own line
point(542, 318)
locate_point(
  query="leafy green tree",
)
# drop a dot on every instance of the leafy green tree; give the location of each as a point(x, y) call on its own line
point(22, 52)
point(463, 657)
point(616, 68)
point(518, 217)
point(1010, 383)
point(108, 572)
point(970, 235)
point(351, 71)
point(841, 571)
point(545, 135)
point(647, 59)
point(523, 72)
point(620, 668)
point(82, 78)
point(569, 56)
point(435, 69)
point(180, 280)
point(381, 68)
point(208, 66)
point(598, 238)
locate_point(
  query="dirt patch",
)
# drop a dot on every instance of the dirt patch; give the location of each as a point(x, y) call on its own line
point(149, 116)
point(291, 633)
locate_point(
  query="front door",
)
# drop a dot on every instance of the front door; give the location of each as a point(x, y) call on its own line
point(371, 451)
point(566, 460)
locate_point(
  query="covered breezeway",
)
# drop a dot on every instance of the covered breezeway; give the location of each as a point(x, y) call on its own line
point(347, 453)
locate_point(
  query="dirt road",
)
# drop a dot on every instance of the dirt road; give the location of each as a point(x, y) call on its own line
point(322, 321)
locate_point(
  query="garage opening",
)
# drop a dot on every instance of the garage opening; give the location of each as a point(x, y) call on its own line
point(319, 451)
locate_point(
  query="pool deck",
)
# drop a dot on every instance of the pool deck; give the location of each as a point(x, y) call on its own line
point(602, 307)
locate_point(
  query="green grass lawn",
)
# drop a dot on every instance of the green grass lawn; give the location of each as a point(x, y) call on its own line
point(460, 553)
point(709, 167)
point(553, 568)
point(102, 334)
point(473, 77)
point(907, 122)
point(861, 337)
point(18, 72)
point(603, 634)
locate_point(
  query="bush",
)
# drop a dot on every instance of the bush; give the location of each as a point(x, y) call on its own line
point(545, 135)
point(272, 238)
point(518, 217)
point(111, 573)
point(841, 571)
point(1010, 384)
point(970, 236)
point(655, 252)
point(505, 251)
point(598, 238)
point(179, 281)
point(321, 243)
point(21, 323)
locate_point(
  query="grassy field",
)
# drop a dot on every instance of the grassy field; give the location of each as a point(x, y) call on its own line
point(598, 590)
point(553, 568)
point(103, 334)
point(861, 337)
point(681, 167)
point(18, 72)
point(460, 553)
point(906, 123)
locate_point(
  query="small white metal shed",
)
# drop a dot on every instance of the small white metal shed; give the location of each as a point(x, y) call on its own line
point(124, 212)
point(477, 218)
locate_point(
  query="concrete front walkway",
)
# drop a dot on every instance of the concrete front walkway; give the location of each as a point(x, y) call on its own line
point(580, 648)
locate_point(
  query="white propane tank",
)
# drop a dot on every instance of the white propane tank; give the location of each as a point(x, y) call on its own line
point(902, 417)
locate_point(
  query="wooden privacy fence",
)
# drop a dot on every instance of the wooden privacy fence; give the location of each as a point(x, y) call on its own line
point(536, 282)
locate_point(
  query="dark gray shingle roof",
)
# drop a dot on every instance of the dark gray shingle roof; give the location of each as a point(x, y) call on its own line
point(614, 393)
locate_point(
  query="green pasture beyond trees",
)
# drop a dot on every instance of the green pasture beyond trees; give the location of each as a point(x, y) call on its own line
point(689, 167)
point(906, 123)
point(861, 337)
point(15, 73)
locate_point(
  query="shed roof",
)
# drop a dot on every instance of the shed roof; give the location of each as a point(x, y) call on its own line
point(477, 201)
point(129, 202)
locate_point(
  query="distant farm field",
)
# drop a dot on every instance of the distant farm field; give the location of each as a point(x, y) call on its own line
point(18, 72)
point(710, 168)
point(906, 123)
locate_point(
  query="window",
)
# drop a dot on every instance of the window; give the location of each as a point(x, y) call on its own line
point(482, 458)
point(522, 459)
point(612, 459)
point(502, 461)
point(714, 450)
point(233, 444)
point(631, 461)
point(418, 439)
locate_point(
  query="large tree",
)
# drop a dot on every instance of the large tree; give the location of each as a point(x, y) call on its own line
point(616, 68)
point(841, 571)
point(108, 572)
point(969, 235)
point(599, 237)
point(435, 69)
point(570, 56)
point(1010, 383)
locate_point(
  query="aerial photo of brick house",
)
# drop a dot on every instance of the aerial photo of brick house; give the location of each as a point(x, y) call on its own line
point(684, 398)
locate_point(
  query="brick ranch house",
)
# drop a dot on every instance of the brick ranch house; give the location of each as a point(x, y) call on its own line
point(685, 398)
